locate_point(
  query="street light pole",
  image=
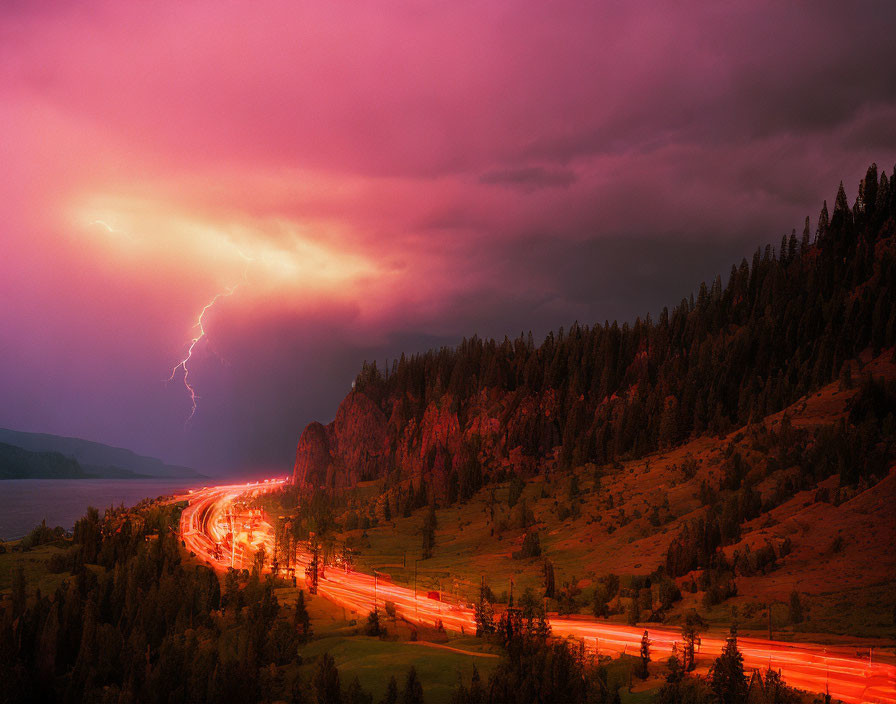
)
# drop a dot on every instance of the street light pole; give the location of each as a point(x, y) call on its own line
point(232, 539)
point(416, 613)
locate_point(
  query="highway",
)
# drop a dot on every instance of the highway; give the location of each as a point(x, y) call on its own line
point(206, 527)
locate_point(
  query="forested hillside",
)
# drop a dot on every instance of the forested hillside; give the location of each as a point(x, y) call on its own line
point(735, 453)
point(783, 324)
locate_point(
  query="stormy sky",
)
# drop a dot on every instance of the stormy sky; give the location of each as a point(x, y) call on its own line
point(382, 177)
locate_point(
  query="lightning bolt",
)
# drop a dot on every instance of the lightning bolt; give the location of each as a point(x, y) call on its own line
point(104, 224)
point(199, 325)
point(108, 228)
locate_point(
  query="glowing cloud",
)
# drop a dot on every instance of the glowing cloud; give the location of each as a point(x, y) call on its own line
point(403, 175)
point(292, 263)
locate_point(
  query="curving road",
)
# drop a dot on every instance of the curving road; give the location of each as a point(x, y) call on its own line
point(226, 538)
point(206, 526)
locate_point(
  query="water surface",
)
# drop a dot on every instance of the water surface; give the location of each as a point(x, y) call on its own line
point(25, 502)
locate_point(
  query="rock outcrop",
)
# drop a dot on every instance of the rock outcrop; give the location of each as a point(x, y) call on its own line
point(312, 457)
point(352, 448)
point(363, 442)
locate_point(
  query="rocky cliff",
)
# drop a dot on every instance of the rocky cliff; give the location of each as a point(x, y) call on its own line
point(782, 326)
point(352, 448)
point(363, 443)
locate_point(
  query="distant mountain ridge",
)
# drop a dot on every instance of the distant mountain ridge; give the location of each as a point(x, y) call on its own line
point(18, 463)
point(92, 459)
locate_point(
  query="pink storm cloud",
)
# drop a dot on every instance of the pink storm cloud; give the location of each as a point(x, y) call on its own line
point(399, 174)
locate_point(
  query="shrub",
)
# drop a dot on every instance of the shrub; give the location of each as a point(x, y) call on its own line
point(531, 547)
point(373, 627)
point(65, 561)
point(796, 607)
point(42, 535)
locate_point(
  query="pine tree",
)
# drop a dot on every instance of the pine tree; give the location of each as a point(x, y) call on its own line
point(841, 218)
point(676, 670)
point(301, 620)
point(600, 606)
point(354, 694)
point(870, 186)
point(326, 681)
point(689, 636)
point(413, 689)
point(727, 677)
point(669, 423)
point(644, 659)
point(258, 562)
point(777, 692)
point(823, 223)
point(477, 692)
point(391, 696)
point(373, 624)
point(484, 614)
point(49, 643)
point(883, 193)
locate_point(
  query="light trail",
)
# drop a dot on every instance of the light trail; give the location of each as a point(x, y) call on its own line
point(810, 667)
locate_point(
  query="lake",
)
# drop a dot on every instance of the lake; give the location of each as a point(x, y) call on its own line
point(25, 502)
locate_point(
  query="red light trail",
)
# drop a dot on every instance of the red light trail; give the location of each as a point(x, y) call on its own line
point(207, 523)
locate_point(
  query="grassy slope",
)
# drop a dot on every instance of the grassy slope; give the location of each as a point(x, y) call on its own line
point(335, 631)
point(34, 564)
point(373, 661)
point(850, 591)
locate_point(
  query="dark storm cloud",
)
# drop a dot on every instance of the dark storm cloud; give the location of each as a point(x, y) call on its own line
point(530, 177)
point(411, 174)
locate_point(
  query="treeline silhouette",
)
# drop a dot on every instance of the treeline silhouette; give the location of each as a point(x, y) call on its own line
point(782, 325)
point(144, 626)
point(18, 463)
point(539, 668)
point(116, 632)
point(136, 623)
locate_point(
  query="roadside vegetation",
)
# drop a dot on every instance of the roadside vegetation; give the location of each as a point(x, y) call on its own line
point(730, 527)
point(117, 612)
point(735, 449)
